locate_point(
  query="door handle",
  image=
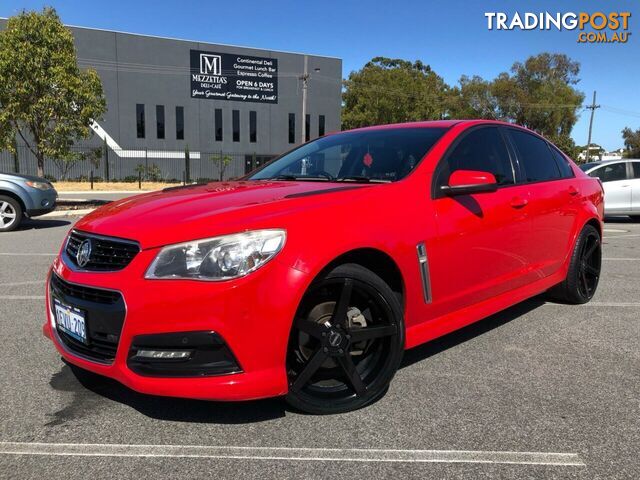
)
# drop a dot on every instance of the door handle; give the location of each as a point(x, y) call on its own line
point(573, 190)
point(519, 202)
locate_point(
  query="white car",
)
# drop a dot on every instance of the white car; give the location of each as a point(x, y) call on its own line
point(621, 181)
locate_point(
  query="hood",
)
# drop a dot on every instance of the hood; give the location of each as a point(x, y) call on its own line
point(20, 176)
point(181, 214)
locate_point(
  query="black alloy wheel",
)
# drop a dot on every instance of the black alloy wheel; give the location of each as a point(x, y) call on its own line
point(346, 342)
point(583, 276)
point(590, 264)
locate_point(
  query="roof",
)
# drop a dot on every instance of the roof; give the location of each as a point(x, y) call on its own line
point(194, 41)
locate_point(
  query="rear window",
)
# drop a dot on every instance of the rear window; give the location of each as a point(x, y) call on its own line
point(563, 164)
point(535, 157)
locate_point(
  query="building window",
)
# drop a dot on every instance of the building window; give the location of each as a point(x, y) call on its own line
point(140, 120)
point(218, 124)
point(292, 128)
point(160, 121)
point(179, 123)
point(253, 127)
point(307, 127)
point(321, 126)
point(235, 121)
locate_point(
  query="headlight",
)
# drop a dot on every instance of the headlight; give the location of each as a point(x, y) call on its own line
point(218, 258)
point(39, 185)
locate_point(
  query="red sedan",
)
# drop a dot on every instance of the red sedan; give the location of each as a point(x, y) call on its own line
point(310, 277)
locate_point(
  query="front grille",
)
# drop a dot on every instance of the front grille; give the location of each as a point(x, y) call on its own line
point(104, 316)
point(106, 297)
point(107, 254)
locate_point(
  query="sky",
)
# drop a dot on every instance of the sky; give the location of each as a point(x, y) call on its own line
point(449, 35)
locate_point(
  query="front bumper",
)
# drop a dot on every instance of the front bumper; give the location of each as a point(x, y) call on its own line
point(42, 201)
point(251, 316)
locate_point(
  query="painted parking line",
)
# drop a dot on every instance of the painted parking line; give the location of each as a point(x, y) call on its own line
point(291, 454)
point(614, 230)
point(21, 254)
point(21, 297)
point(621, 236)
point(597, 304)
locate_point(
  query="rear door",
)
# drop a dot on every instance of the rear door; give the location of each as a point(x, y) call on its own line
point(483, 240)
point(617, 186)
point(554, 199)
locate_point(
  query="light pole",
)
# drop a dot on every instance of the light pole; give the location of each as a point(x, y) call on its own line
point(305, 85)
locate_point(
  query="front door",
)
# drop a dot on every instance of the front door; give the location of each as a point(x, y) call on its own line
point(483, 240)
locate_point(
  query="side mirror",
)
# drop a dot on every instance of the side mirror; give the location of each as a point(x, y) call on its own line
point(465, 182)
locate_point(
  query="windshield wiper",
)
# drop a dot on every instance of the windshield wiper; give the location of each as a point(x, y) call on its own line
point(300, 177)
point(361, 179)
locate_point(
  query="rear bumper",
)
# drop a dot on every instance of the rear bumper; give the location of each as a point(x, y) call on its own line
point(252, 317)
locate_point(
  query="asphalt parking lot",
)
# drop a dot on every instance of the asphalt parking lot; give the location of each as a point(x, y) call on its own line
point(538, 391)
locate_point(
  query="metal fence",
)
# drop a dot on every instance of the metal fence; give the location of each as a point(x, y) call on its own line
point(130, 165)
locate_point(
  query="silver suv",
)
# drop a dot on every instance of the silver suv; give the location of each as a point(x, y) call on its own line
point(621, 181)
point(23, 195)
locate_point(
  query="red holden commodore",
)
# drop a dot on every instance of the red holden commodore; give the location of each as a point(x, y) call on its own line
point(311, 276)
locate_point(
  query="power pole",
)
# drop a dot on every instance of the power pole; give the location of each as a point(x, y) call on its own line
point(591, 107)
point(305, 80)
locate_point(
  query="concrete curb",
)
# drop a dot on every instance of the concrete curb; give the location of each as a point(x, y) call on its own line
point(67, 213)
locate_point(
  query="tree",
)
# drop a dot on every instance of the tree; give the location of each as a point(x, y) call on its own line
point(44, 97)
point(631, 142)
point(389, 90)
point(222, 162)
point(474, 98)
point(540, 95)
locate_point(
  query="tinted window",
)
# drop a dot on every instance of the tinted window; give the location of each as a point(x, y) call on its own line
point(292, 128)
point(140, 120)
point(160, 121)
point(636, 169)
point(383, 155)
point(563, 164)
point(307, 127)
point(179, 123)
point(235, 121)
point(321, 125)
point(253, 127)
point(610, 173)
point(482, 149)
point(535, 157)
point(218, 124)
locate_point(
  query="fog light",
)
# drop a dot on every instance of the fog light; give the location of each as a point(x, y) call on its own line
point(164, 354)
point(45, 203)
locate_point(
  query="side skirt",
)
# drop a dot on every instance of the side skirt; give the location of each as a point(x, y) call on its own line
point(437, 327)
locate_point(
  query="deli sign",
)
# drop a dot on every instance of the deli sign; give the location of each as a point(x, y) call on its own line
point(225, 76)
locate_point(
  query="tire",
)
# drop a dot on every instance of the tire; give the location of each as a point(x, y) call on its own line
point(346, 342)
point(10, 214)
point(584, 269)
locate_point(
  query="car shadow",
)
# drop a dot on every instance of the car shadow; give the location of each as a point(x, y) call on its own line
point(429, 349)
point(618, 219)
point(88, 389)
point(37, 224)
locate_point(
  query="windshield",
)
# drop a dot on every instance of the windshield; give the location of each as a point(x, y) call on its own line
point(587, 166)
point(384, 155)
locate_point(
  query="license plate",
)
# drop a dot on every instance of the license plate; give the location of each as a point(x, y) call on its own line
point(70, 320)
